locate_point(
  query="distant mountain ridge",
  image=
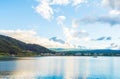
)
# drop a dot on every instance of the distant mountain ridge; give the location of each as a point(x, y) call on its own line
point(81, 49)
point(10, 46)
point(87, 52)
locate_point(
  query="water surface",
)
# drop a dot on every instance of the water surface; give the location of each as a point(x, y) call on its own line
point(60, 68)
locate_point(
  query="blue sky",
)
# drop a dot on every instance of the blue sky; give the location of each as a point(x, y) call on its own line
point(88, 24)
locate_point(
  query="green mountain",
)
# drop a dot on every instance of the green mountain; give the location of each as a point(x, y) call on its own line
point(12, 47)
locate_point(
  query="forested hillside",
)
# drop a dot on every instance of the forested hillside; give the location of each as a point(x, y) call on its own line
point(12, 47)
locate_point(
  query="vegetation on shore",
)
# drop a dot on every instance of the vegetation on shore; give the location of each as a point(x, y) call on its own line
point(99, 52)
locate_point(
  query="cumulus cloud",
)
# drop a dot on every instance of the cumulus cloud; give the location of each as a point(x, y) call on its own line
point(77, 2)
point(60, 2)
point(73, 33)
point(114, 4)
point(30, 36)
point(66, 2)
point(75, 23)
point(60, 20)
point(45, 9)
point(115, 12)
point(112, 18)
point(20, 34)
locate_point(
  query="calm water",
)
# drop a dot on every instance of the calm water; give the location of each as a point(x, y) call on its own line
point(61, 68)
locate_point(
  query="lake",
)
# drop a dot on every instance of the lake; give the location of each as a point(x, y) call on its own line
point(59, 67)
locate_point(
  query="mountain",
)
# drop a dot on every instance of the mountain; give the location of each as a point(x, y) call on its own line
point(87, 52)
point(98, 52)
point(10, 46)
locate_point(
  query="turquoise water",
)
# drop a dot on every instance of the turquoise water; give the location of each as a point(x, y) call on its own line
point(61, 68)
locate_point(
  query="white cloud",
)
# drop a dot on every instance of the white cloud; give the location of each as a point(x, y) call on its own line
point(66, 2)
point(77, 2)
point(72, 34)
point(114, 4)
point(23, 35)
point(19, 34)
point(105, 3)
point(60, 20)
point(30, 36)
point(60, 2)
point(75, 23)
point(115, 12)
point(112, 18)
point(44, 9)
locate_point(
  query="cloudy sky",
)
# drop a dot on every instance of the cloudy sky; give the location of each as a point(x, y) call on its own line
point(88, 24)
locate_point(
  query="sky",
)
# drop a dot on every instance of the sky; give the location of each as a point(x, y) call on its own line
point(83, 24)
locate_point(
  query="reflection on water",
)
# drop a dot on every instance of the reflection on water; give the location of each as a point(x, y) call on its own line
point(61, 68)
